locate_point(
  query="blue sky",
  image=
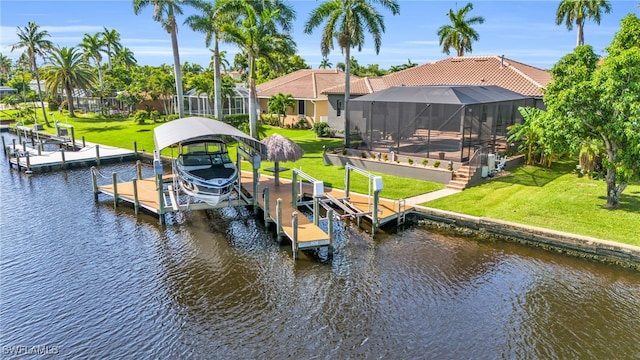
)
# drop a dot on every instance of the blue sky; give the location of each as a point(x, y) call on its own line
point(521, 30)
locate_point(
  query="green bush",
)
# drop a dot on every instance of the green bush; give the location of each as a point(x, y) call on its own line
point(425, 162)
point(363, 155)
point(436, 164)
point(141, 116)
point(237, 120)
point(410, 161)
point(302, 123)
point(270, 119)
point(322, 129)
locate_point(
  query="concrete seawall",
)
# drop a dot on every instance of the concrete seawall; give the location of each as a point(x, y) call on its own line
point(576, 245)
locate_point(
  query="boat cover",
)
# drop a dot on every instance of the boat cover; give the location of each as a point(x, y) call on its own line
point(180, 130)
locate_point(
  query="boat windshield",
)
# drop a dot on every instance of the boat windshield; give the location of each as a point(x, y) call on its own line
point(204, 148)
point(204, 153)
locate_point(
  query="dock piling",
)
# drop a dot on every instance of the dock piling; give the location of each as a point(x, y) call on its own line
point(94, 182)
point(330, 230)
point(139, 169)
point(136, 202)
point(73, 139)
point(115, 189)
point(62, 158)
point(279, 220)
point(316, 210)
point(265, 199)
point(24, 146)
point(14, 145)
point(294, 241)
point(97, 154)
point(135, 149)
point(4, 147)
point(84, 144)
point(28, 163)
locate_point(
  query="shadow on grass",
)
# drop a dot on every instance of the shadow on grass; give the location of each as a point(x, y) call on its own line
point(628, 203)
point(538, 176)
point(103, 129)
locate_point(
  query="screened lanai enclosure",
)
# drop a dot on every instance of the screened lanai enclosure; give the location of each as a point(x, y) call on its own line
point(443, 122)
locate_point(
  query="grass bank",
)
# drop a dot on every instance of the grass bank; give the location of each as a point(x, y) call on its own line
point(553, 198)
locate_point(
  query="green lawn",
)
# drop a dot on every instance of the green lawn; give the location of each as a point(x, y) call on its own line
point(553, 198)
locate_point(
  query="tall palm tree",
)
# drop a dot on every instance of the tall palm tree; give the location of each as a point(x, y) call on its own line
point(459, 34)
point(93, 47)
point(578, 11)
point(224, 63)
point(111, 39)
point(325, 63)
point(164, 12)
point(68, 68)
point(257, 34)
point(210, 23)
point(349, 21)
point(34, 42)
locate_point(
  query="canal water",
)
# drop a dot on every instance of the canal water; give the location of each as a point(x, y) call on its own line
point(80, 279)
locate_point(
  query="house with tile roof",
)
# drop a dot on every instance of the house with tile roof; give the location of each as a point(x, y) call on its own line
point(509, 74)
point(306, 87)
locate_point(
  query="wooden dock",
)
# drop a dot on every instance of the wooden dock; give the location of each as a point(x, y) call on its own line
point(28, 158)
point(158, 195)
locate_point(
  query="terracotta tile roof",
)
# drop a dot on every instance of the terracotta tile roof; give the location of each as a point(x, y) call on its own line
point(469, 70)
point(303, 84)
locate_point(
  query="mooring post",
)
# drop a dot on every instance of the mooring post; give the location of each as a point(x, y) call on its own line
point(19, 135)
point(73, 139)
point(139, 169)
point(279, 220)
point(115, 189)
point(33, 142)
point(374, 214)
point(136, 203)
point(94, 182)
point(265, 199)
point(4, 147)
point(347, 179)
point(84, 144)
point(294, 241)
point(294, 190)
point(316, 210)
point(14, 145)
point(63, 159)
point(330, 230)
point(28, 162)
point(40, 148)
point(256, 178)
point(97, 154)
point(24, 146)
point(135, 148)
point(160, 198)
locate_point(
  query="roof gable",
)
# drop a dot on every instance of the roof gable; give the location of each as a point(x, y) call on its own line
point(302, 84)
point(472, 70)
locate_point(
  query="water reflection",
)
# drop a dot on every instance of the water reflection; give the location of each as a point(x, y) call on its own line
point(100, 282)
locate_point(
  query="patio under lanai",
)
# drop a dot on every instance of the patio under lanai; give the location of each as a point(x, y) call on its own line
point(444, 122)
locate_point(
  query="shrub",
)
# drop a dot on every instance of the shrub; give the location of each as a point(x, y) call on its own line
point(363, 155)
point(425, 162)
point(269, 119)
point(436, 164)
point(410, 161)
point(385, 157)
point(373, 156)
point(154, 115)
point(344, 151)
point(302, 123)
point(172, 117)
point(236, 120)
point(141, 116)
point(321, 129)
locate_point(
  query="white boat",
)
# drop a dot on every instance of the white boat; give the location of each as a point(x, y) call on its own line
point(205, 170)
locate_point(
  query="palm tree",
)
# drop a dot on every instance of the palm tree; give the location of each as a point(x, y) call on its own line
point(578, 11)
point(68, 68)
point(93, 48)
point(5, 67)
point(164, 12)
point(459, 34)
point(256, 33)
point(33, 41)
point(210, 24)
point(349, 21)
point(111, 39)
point(279, 103)
point(125, 57)
point(325, 63)
point(224, 63)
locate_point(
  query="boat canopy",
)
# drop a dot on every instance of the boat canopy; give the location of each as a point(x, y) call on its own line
point(180, 130)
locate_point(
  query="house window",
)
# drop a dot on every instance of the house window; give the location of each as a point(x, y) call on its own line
point(301, 110)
